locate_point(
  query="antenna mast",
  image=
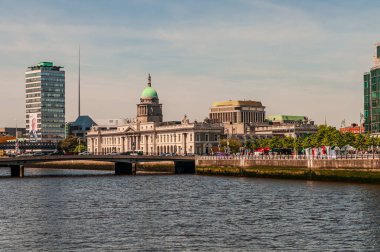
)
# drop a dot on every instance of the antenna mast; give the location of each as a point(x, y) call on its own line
point(79, 84)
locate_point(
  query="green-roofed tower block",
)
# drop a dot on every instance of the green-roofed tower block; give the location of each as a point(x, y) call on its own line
point(45, 64)
point(149, 109)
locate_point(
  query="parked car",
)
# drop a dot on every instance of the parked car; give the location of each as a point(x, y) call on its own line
point(112, 153)
point(84, 153)
point(56, 153)
point(39, 153)
point(28, 154)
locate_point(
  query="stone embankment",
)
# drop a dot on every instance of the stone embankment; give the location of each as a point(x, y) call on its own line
point(355, 170)
point(100, 165)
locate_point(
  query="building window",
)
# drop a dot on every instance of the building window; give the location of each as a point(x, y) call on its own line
point(198, 137)
point(206, 138)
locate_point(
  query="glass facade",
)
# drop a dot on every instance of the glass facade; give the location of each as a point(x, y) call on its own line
point(45, 102)
point(372, 101)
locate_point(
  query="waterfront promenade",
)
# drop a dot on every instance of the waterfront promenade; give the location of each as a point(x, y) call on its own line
point(351, 168)
point(357, 161)
point(354, 168)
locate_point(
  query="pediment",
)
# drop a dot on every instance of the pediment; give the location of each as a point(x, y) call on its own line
point(129, 129)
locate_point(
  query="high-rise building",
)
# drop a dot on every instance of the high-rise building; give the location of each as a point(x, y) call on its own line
point(45, 102)
point(372, 95)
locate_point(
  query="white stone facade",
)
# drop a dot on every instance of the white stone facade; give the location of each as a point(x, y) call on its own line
point(152, 136)
point(155, 138)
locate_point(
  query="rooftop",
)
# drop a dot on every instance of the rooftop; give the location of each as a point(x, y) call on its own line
point(45, 65)
point(84, 122)
point(149, 92)
point(237, 103)
point(278, 118)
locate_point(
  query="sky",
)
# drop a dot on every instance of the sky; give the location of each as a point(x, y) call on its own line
point(296, 57)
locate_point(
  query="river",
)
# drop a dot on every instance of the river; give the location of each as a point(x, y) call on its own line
point(54, 210)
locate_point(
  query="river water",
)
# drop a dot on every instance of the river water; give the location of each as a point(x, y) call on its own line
point(83, 212)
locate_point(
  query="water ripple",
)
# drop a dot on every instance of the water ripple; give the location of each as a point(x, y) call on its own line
point(196, 213)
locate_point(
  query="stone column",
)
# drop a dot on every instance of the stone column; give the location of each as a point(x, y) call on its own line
point(92, 145)
point(99, 142)
point(154, 143)
point(184, 136)
point(146, 144)
point(122, 144)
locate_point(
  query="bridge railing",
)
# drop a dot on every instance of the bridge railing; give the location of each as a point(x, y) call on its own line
point(135, 154)
point(97, 154)
point(290, 157)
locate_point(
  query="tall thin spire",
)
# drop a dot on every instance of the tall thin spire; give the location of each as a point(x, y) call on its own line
point(79, 84)
point(149, 81)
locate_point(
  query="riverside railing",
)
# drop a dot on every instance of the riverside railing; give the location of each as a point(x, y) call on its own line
point(225, 157)
point(291, 157)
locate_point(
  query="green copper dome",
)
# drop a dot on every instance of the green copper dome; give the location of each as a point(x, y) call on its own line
point(149, 92)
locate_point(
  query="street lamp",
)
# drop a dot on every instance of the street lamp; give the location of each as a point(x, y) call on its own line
point(373, 149)
point(79, 145)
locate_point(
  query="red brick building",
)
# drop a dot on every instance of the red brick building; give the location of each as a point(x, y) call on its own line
point(354, 128)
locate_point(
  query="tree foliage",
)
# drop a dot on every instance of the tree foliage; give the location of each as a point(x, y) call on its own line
point(71, 144)
point(233, 145)
point(325, 136)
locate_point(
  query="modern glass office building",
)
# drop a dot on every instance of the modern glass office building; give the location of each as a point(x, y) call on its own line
point(45, 102)
point(372, 95)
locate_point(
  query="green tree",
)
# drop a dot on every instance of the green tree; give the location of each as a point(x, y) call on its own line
point(275, 142)
point(70, 144)
point(298, 143)
point(348, 139)
point(288, 143)
point(359, 142)
point(234, 145)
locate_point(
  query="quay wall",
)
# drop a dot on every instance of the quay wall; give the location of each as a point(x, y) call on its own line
point(366, 164)
point(365, 171)
point(163, 166)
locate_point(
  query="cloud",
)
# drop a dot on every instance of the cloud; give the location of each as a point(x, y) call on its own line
point(282, 54)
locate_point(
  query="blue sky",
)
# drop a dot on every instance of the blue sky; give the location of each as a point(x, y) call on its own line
point(297, 57)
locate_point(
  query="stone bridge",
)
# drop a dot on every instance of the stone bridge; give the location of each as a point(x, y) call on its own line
point(124, 164)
